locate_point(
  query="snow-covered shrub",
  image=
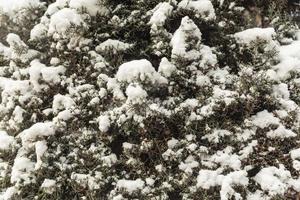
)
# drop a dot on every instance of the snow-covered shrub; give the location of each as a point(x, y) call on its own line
point(109, 99)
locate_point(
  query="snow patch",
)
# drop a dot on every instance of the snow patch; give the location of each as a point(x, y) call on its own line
point(48, 185)
point(40, 149)
point(179, 40)
point(250, 35)
point(138, 70)
point(6, 141)
point(264, 119)
point(114, 45)
point(62, 20)
point(295, 154)
point(166, 68)
point(21, 170)
point(12, 7)
point(104, 123)
point(161, 13)
point(203, 8)
point(208, 178)
point(93, 7)
point(41, 129)
point(135, 93)
point(281, 132)
point(62, 102)
point(274, 180)
point(131, 185)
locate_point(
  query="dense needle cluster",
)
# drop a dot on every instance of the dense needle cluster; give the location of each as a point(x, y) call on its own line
point(137, 99)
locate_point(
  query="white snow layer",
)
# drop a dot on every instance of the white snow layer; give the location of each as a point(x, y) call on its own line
point(295, 154)
point(38, 31)
point(203, 8)
point(135, 93)
point(21, 170)
point(281, 132)
point(6, 141)
point(18, 49)
point(62, 102)
point(39, 71)
point(114, 45)
point(104, 123)
point(273, 179)
point(250, 35)
point(62, 20)
point(138, 70)
point(161, 12)
point(9, 193)
point(264, 119)
point(179, 38)
point(93, 7)
point(48, 185)
point(11, 7)
point(208, 178)
point(290, 61)
point(131, 185)
point(281, 91)
point(166, 68)
point(40, 148)
point(86, 180)
point(38, 130)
